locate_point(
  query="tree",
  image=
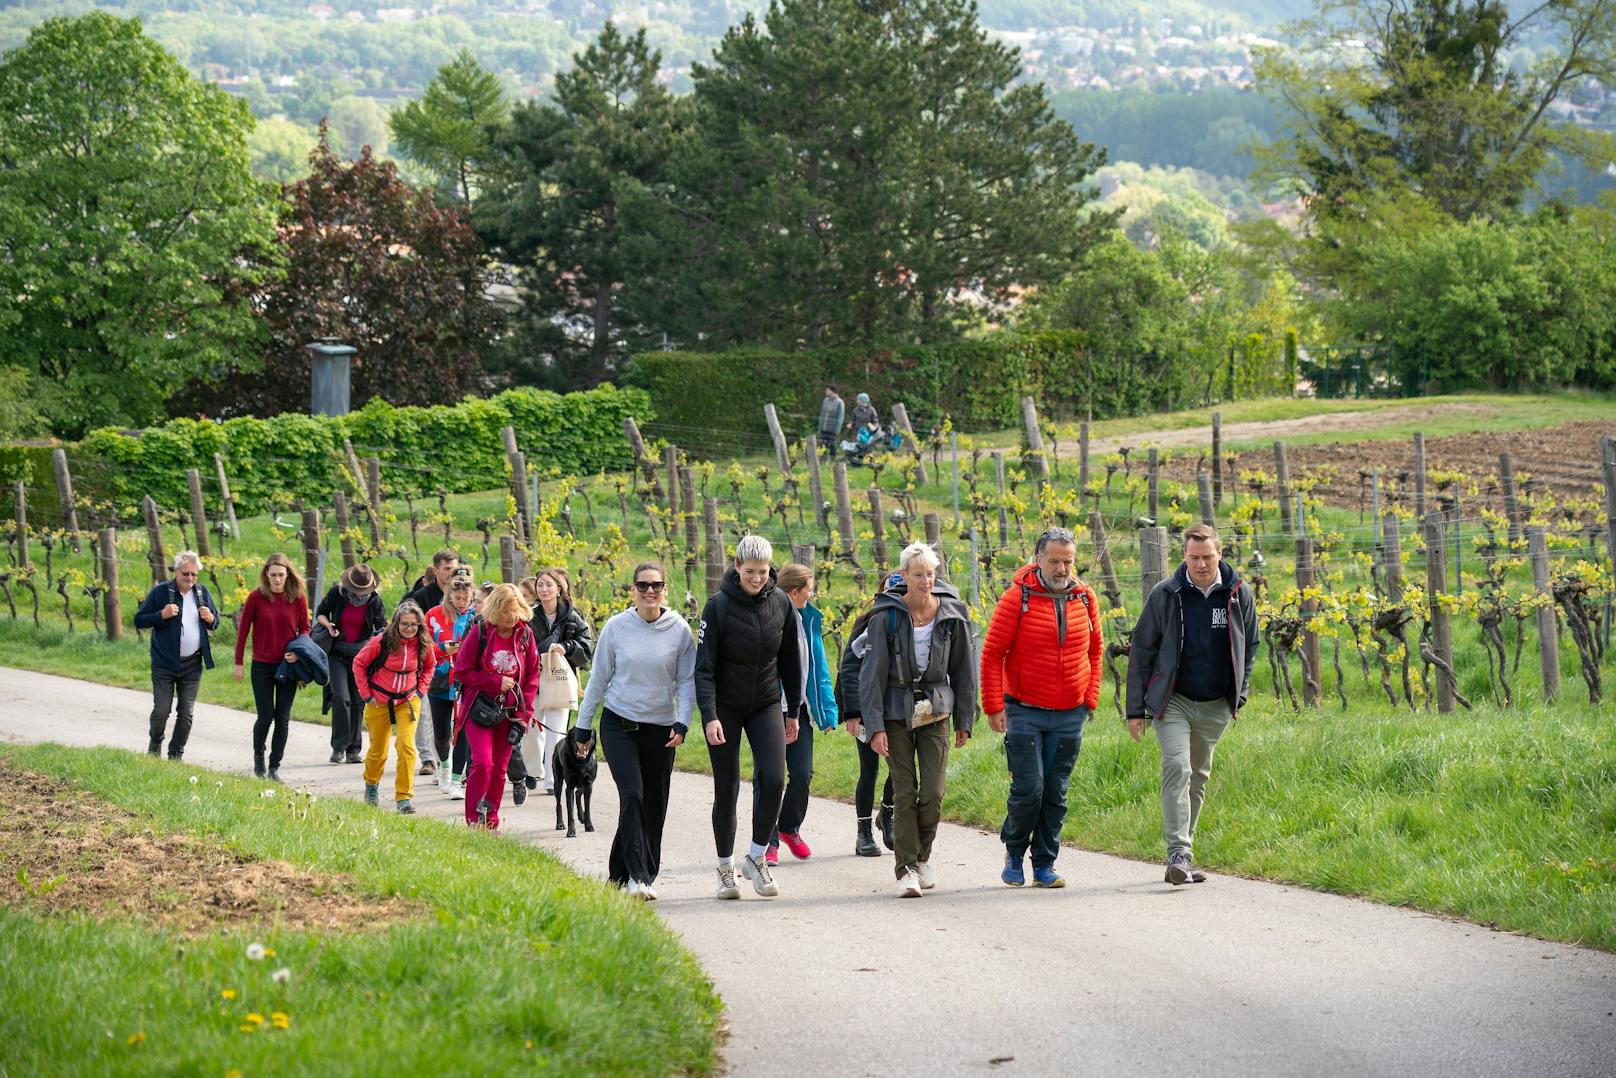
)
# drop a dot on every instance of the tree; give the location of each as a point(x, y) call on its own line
point(131, 230)
point(356, 123)
point(280, 148)
point(375, 264)
point(576, 204)
point(449, 131)
point(1393, 99)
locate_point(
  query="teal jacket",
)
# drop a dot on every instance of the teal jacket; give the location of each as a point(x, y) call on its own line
point(820, 691)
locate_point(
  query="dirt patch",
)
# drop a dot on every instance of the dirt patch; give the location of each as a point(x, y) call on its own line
point(81, 855)
point(1324, 423)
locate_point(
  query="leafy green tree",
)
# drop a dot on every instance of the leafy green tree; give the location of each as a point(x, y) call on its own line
point(356, 123)
point(450, 130)
point(279, 148)
point(131, 229)
point(577, 203)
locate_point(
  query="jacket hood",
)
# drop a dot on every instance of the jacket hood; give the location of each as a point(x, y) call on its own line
point(950, 604)
point(1228, 577)
point(663, 624)
point(811, 615)
point(732, 586)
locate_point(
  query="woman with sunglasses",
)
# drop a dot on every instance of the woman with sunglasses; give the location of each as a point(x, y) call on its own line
point(392, 673)
point(644, 675)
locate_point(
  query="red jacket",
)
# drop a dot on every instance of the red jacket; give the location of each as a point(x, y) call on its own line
point(1022, 655)
point(404, 674)
point(476, 668)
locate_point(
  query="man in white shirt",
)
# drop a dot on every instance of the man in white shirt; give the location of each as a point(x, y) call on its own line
point(181, 615)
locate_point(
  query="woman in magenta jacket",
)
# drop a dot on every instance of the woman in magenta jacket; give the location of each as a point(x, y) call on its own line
point(499, 660)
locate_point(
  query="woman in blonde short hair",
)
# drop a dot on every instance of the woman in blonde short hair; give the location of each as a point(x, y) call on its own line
point(498, 662)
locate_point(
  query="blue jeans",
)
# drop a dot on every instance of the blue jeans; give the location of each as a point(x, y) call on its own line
point(1042, 746)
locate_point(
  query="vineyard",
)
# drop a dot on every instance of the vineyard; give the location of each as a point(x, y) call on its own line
point(1381, 574)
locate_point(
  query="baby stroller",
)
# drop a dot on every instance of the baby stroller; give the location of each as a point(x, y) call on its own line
point(868, 439)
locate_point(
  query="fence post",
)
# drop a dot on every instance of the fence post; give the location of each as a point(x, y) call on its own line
point(1152, 554)
point(1217, 457)
point(199, 512)
point(670, 463)
point(816, 485)
point(311, 548)
point(878, 525)
point(339, 506)
point(112, 603)
point(1312, 679)
point(360, 486)
point(507, 559)
point(953, 450)
point(1419, 475)
point(1548, 625)
point(524, 510)
point(64, 494)
point(1004, 514)
point(900, 415)
point(1108, 569)
point(687, 503)
point(934, 536)
point(224, 496)
point(1153, 483)
point(777, 436)
point(1209, 511)
point(373, 469)
point(1082, 462)
point(20, 494)
point(844, 510)
point(636, 445)
point(976, 571)
point(154, 540)
point(1512, 506)
point(1435, 584)
point(715, 545)
point(1283, 476)
point(1035, 439)
point(1392, 560)
point(803, 554)
point(1607, 465)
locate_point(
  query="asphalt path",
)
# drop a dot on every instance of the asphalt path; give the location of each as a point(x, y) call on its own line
point(1117, 974)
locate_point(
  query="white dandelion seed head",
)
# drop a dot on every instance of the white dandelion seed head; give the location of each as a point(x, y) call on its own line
point(255, 951)
point(194, 778)
point(281, 976)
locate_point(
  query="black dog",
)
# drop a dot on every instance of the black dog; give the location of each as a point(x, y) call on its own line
point(575, 777)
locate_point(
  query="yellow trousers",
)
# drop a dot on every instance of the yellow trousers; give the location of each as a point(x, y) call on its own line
point(402, 730)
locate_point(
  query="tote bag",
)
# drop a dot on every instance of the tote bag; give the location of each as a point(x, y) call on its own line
point(558, 685)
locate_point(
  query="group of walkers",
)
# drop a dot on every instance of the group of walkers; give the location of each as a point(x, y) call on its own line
point(907, 688)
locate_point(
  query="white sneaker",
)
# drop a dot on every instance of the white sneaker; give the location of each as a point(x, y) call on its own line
point(457, 792)
point(726, 882)
point(928, 876)
point(758, 872)
point(909, 885)
point(647, 892)
point(633, 888)
point(445, 780)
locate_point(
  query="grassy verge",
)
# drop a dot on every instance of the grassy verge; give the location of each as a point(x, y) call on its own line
point(520, 965)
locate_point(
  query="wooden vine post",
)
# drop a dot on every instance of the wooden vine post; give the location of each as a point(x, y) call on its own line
point(879, 527)
point(715, 545)
point(64, 494)
point(20, 495)
point(636, 445)
point(778, 437)
point(844, 511)
point(1436, 585)
point(1209, 505)
point(1548, 625)
point(311, 549)
point(1283, 479)
point(1152, 559)
point(1512, 505)
point(339, 507)
point(1108, 569)
point(224, 496)
point(1035, 439)
point(900, 416)
point(112, 604)
point(1217, 457)
point(816, 485)
point(154, 539)
point(1082, 462)
point(1153, 484)
point(373, 466)
point(1419, 475)
point(1311, 677)
point(519, 489)
point(199, 511)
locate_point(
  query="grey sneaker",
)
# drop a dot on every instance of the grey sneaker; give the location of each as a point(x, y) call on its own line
point(726, 882)
point(1178, 869)
point(372, 793)
point(928, 876)
point(405, 808)
point(758, 872)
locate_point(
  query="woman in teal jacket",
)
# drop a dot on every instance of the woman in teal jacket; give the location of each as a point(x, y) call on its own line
point(797, 581)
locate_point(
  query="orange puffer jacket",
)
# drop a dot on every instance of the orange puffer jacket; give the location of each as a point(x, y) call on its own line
point(1023, 656)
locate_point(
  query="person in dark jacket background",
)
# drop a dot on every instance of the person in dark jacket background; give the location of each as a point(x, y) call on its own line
point(352, 612)
point(559, 629)
point(847, 702)
point(181, 616)
point(918, 678)
point(747, 656)
point(430, 589)
point(1189, 673)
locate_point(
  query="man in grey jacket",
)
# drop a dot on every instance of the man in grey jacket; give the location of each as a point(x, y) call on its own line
point(831, 412)
point(1189, 672)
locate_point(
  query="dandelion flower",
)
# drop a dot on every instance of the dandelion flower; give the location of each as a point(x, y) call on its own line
point(280, 1020)
point(194, 779)
point(255, 1018)
point(248, 1027)
point(281, 976)
point(255, 951)
point(269, 952)
point(138, 1037)
point(228, 993)
point(233, 1072)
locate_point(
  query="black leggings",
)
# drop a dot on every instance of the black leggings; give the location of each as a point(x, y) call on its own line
point(442, 726)
point(766, 733)
point(642, 767)
point(864, 792)
point(799, 777)
point(274, 701)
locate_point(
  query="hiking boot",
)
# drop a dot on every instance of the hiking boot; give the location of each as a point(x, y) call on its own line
point(884, 819)
point(928, 876)
point(1178, 869)
point(405, 808)
point(428, 768)
point(1012, 873)
point(518, 793)
point(483, 809)
point(762, 879)
point(275, 773)
point(726, 882)
point(354, 757)
point(909, 885)
point(336, 756)
point(1196, 875)
point(372, 793)
point(258, 765)
point(865, 845)
point(793, 842)
point(1046, 876)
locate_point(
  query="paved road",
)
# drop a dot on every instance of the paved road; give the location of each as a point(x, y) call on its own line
point(1118, 974)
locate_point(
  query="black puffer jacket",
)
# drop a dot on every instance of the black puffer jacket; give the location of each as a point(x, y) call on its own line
point(747, 651)
point(569, 629)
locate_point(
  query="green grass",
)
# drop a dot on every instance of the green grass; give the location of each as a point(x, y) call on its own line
point(520, 965)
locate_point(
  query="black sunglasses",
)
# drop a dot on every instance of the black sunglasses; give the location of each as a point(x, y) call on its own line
point(645, 586)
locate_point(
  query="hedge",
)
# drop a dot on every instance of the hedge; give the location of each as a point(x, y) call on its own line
point(712, 402)
point(455, 448)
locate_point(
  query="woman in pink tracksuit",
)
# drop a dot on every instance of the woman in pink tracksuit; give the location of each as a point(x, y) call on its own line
point(499, 660)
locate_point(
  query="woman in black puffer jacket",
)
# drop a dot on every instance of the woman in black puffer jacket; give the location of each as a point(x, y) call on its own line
point(747, 656)
point(560, 629)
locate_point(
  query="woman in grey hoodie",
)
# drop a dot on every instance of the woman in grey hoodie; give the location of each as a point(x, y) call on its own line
point(644, 674)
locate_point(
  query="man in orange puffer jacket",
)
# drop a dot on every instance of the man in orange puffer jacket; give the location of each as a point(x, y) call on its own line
point(1040, 682)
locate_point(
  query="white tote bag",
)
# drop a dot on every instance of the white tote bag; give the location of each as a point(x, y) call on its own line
point(558, 685)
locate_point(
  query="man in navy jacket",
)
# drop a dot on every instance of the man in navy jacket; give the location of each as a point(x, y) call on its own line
point(181, 616)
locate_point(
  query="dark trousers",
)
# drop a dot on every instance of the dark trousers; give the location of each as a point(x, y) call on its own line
point(442, 727)
point(642, 767)
point(169, 687)
point(1041, 746)
point(347, 710)
point(766, 733)
point(799, 776)
point(864, 792)
point(516, 770)
point(274, 701)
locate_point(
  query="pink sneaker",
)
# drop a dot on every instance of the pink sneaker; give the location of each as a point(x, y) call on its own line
point(772, 856)
point(799, 849)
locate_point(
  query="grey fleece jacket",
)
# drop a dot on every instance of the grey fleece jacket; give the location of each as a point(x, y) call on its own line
point(888, 679)
point(644, 671)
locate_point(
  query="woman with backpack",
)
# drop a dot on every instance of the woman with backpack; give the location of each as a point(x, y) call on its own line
point(747, 658)
point(447, 625)
point(275, 613)
point(918, 679)
point(847, 701)
point(351, 613)
point(559, 630)
point(392, 673)
point(498, 671)
point(819, 697)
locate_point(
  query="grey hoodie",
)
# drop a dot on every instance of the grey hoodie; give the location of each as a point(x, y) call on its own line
point(888, 681)
point(644, 671)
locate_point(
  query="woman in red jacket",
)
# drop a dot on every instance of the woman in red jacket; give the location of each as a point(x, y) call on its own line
point(275, 613)
point(392, 673)
point(498, 660)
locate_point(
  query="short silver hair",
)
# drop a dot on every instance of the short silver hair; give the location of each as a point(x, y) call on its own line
point(1054, 535)
point(754, 548)
point(187, 557)
point(921, 552)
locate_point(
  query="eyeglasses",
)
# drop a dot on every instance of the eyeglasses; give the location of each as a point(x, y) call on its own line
point(408, 626)
point(646, 586)
point(189, 574)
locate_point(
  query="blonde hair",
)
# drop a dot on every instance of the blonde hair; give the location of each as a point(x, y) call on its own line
point(794, 575)
point(921, 552)
point(505, 599)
